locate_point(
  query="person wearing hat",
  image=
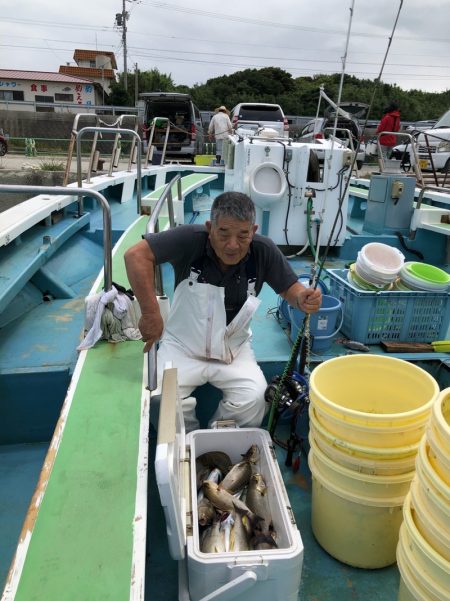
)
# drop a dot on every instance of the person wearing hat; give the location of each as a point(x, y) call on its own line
point(219, 128)
point(389, 122)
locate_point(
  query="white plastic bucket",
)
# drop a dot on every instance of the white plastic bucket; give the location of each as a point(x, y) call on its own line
point(381, 258)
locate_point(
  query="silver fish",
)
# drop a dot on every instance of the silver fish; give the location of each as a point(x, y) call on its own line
point(206, 512)
point(239, 536)
point(214, 475)
point(226, 525)
point(258, 502)
point(354, 345)
point(221, 498)
point(252, 454)
point(213, 540)
point(237, 477)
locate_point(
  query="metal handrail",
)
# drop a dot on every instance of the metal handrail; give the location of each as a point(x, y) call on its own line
point(80, 192)
point(73, 139)
point(138, 165)
point(152, 227)
point(149, 153)
point(411, 138)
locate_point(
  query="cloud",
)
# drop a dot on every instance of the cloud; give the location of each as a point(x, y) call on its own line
point(195, 42)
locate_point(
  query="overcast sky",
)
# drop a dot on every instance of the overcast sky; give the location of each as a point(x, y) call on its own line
point(194, 40)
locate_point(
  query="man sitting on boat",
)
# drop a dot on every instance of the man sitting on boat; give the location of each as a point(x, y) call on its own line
point(220, 268)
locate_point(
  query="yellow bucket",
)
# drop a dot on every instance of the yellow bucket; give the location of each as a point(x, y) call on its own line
point(367, 461)
point(392, 433)
point(440, 420)
point(361, 532)
point(431, 570)
point(434, 492)
point(429, 528)
point(373, 396)
point(410, 589)
point(358, 484)
point(438, 456)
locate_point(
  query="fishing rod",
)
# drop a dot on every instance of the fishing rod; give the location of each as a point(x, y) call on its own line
point(317, 267)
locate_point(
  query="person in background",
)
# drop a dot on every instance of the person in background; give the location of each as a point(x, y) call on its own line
point(220, 268)
point(389, 122)
point(219, 128)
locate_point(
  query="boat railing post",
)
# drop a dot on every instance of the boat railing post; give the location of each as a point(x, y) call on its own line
point(80, 192)
point(119, 131)
point(152, 227)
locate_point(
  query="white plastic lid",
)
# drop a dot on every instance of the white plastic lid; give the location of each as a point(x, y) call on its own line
point(169, 464)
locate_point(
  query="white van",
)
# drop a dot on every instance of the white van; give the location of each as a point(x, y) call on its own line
point(435, 142)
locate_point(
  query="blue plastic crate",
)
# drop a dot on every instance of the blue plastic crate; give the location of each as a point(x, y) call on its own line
point(416, 316)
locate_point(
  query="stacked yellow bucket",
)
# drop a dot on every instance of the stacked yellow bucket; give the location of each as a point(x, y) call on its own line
point(368, 414)
point(423, 552)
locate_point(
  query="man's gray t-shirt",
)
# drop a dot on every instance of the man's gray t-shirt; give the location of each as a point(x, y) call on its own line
point(188, 244)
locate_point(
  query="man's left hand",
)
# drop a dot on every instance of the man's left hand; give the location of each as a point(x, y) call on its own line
point(309, 300)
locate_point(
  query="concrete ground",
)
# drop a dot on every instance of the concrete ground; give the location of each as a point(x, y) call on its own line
point(23, 170)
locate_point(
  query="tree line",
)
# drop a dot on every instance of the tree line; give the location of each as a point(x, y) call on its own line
point(297, 96)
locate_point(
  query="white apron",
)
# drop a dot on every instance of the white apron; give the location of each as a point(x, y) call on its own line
point(204, 349)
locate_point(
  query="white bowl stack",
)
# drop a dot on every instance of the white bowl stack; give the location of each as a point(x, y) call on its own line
point(379, 264)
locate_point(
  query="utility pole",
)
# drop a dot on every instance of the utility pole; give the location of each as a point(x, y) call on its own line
point(136, 84)
point(121, 21)
point(124, 41)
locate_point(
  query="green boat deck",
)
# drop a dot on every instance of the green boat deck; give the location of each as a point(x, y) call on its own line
point(84, 535)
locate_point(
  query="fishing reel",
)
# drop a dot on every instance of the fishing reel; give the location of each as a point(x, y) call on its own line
point(292, 392)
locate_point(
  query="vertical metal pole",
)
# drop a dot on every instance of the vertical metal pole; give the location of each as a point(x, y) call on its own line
point(136, 84)
point(124, 40)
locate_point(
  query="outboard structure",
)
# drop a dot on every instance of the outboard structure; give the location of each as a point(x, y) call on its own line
point(297, 188)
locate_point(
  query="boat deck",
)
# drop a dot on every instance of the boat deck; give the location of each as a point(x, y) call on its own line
point(95, 485)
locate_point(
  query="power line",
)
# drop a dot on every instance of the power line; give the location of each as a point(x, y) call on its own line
point(148, 53)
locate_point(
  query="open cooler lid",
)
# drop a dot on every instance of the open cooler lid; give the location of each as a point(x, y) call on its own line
point(171, 467)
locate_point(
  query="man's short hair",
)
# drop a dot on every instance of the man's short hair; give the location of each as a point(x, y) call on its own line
point(233, 204)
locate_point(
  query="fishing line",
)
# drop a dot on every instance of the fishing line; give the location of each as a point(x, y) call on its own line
point(378, 79)
point(315, 275)
point(347, 184)
point(300, 341)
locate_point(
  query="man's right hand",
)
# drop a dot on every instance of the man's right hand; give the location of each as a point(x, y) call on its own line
point(151, 326)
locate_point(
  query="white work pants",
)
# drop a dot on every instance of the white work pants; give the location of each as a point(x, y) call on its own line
point(242, 382)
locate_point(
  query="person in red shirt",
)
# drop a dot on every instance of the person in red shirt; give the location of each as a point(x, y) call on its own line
point(389, 122)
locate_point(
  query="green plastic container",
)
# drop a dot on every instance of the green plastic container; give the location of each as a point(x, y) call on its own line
point(429, 273)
